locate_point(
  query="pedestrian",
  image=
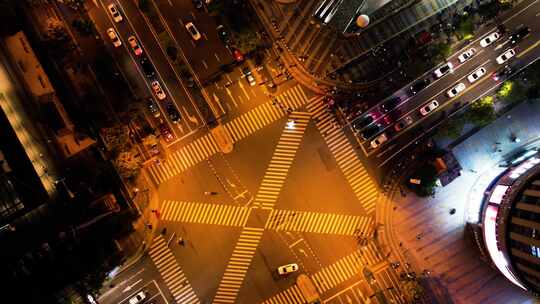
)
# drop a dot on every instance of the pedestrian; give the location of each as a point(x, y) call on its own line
point(181, 241)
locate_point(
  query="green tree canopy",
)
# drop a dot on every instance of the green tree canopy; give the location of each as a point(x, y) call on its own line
point(481, 112)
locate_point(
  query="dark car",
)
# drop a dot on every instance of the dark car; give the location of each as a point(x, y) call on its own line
point(153, 108)
point(147, 67)
point(361, 123)
point(370, 132)
point(419, 86)
point(172, 112)
point(390, 104)
point(502, 73)
point(198, 4)
point(165, 132)
point(223, 34)
point(519, 34)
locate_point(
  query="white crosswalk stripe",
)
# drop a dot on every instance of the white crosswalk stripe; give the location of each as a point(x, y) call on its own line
point(204, 213)
point(281, 161)
point(317, 222)
point(338, 272)
point(172, 274)
point(238, 265)
point(291, 295)
point(362, 185)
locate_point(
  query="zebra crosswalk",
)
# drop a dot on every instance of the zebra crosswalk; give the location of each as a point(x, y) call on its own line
point(291, 295)
point(184, 158)
point(317, 222)
point(265, 114)
point(204, 213)
point(238, 265)
point(172, 274)
point(282, 159)
point(356, 175)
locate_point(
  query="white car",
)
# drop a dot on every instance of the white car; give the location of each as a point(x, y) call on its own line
point(489, 39)
point(190, 27)
point(476, 74)
point(378, 140)
point(505, 56)
point(138, 298)
point(460, 87)
point(156, 87)
point(135, 45)
point(443, 70)
point(115, 13)
point(466, 55)
point(427, 108)
point(114, 37)
point(286, 269)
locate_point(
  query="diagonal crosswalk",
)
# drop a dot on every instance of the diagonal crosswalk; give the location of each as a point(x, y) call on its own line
point(266, 113)
point(204, 213)
point(355, 173)
point(184, 158)
point(238, 265)
point(281, 161)
point(316, 222)
point(172, 274)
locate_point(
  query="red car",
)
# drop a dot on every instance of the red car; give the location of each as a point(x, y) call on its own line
point(238, 55)
point(166, 132)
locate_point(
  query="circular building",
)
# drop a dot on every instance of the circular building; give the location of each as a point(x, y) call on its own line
point(511, 222)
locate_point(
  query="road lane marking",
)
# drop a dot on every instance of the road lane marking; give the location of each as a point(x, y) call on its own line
point(528, 49)
point(231, 96)
point(295, 243)
point(217, 57)
point(240, 83)
point(205, 213)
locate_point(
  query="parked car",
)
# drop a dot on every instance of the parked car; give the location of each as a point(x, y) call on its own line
point(519, 34)
point(378, 140)
point(427, 108)
point(287, 269)
point(117, 17)
point(174, 116)
point(114, 37)
point(370, 132)
point(460, 87)
point(249, 76)
point(502, 73)
point(223, 34)
point(476, 74)
point(152, 107)
point(489, 39)
point(190, 27)
point(505, 56)
point(466, 55)
point(134, 45)
point(165, 132)
point(403, 123)
point(390, 104)
point(238, 56)
point(147, 67)
point(156, 87)
point(138, 298)
point(362, 122)
point(419, 86)
point(443, 70)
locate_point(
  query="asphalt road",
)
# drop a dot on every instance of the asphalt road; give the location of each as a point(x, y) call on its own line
point(526, 51)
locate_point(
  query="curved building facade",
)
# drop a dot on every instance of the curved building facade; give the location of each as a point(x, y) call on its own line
point(511, 222)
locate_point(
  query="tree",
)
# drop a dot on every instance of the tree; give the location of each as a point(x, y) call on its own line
point(427, 174)
point(440, 51)
point(512, 92)
point(481, 112)
point(452, 128)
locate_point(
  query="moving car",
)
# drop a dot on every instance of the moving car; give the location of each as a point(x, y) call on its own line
point(174, 116)
point(114, 37)
point(223, 34)
point(190, 27)
point(390, 104)
point(156, 87)
point(476, 74)
point(466, 55)
point(115, 13)
point(249, 76)
point(519, 34)
point(287, 269)
point(134, 45)
point(370, 132)
point(152, 107)
point(419, 86)
point(505, 56)
point(489, 39)
point(147, 67)
point(403, 123)
point(165, 132)
point(238, 56)
point(443, 70)
point(460, 87)
point(138, 298)
point(361, 123)
point(427, 108)
point(502, 72)
point(379, 140)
